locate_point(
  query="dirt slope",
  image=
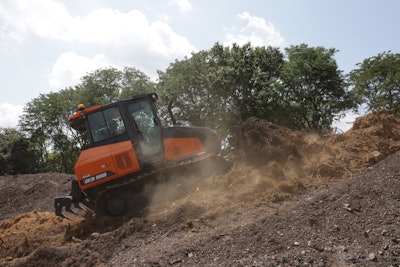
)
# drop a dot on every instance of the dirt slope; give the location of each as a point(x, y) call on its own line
point(288, 200)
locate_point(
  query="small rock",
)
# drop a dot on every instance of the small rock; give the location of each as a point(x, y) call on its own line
point(94, 234)
point(76, 240)
point(371, 257)
point(346, 206)
point(375, 156)
point(296, 243)
point(172, 262)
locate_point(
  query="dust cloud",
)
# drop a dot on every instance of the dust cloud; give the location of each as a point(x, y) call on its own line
point(274, 163)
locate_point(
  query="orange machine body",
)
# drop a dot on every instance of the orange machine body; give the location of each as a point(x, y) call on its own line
point(181, 148)
point(102, 164)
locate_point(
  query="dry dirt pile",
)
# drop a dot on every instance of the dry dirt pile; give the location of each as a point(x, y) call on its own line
point(372, 138)
point(288, 200)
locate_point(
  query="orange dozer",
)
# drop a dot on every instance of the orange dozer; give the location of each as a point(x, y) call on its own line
point(129, 150)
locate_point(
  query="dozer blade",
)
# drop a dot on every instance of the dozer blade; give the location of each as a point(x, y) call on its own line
point(75, 203)
point(63, 207)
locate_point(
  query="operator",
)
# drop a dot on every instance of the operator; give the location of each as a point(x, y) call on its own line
point(113, 128)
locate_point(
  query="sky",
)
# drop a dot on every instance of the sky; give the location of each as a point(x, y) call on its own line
point(48, 45)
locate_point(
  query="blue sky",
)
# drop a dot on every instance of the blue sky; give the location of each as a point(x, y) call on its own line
point(48, 45)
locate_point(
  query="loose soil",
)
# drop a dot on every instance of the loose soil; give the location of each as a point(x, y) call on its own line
point(289, 199)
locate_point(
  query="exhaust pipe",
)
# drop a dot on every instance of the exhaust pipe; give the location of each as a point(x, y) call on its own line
point(171, 114)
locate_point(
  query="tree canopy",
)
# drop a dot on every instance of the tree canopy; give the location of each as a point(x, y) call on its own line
point(376, 82)
point(224, 86)
point(14, 148)
point(314, 89)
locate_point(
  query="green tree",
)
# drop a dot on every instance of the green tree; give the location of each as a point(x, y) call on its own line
point(44, 119)
point(185, 82)
point(100, 87)
point(135, 82)
point(16, 156)
point(376, 82)
point(222, 87)
point(110, 84)
point(314, 89)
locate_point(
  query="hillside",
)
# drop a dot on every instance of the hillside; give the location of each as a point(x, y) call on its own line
point(288, 200)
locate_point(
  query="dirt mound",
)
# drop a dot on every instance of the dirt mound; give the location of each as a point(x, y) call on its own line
point(372, 138)
point(290, 199)
point(277, 162)
point(25, 233)
point(31, 192)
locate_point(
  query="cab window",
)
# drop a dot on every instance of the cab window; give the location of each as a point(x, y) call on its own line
point(105, 124)
point(149, 133)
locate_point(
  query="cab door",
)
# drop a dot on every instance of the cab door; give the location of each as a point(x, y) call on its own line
point(148, 130)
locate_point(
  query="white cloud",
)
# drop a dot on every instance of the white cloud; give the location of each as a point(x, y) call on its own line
point(9, 115)
point(255, 30)
point(184, 5)
point(129, 31)
point(70, 68)
point(47, 18)
point(41, 17)
point(122, 39)
point(117, 38)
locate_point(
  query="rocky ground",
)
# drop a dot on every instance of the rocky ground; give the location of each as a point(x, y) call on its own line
point(288, 200)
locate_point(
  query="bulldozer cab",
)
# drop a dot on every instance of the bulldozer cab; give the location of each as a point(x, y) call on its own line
point(133, 119)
